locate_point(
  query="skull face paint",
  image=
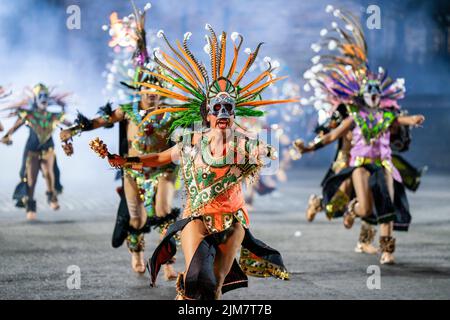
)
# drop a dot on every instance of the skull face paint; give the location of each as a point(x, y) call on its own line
point(222, 106)
point(372, 94)
point(41, 96)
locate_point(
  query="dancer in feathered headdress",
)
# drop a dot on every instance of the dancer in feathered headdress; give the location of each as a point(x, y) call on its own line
point(215, 158)
point(146, 196)
point(363, 111)
point(39, 152)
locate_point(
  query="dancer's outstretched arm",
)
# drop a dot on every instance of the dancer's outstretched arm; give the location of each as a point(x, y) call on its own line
point(330, 137)
point(415, 120)
point(7, 137)
point(88, 125)
point(151, 160)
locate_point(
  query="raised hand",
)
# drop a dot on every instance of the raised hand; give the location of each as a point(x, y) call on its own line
point(6, 140)
point(100, 148)
point(65, 135)
point(419, 120)
point(299, 145)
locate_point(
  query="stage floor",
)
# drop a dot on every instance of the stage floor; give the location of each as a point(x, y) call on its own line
point(34, 257)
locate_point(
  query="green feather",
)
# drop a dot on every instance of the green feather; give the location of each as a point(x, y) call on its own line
point(249, 112)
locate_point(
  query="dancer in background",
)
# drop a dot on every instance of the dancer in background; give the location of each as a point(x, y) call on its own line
point(146, 196)
point(343, 77)
point(39, 154)
point(215, 158)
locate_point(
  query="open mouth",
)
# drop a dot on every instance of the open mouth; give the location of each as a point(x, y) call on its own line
point(223, 123)
point(374, 98)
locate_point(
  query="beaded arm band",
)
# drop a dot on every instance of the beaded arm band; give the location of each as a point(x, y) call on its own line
point(134, 163)
point(316, 144)
point(81, 124)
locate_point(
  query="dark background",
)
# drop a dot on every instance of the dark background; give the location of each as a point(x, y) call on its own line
point(413, 43)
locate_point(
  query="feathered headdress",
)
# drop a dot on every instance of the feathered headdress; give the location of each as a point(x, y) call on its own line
point(340, 71)
point(31, 93)
point(130, 44)
point(194, 86)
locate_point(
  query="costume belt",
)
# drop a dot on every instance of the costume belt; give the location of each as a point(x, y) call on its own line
point(361, 161)
point(341, 161)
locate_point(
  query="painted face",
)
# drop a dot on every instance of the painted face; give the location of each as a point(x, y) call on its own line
point(41, 96)
point(42, 100)
point(372, 94)
point(222, 106)
point(221, 111)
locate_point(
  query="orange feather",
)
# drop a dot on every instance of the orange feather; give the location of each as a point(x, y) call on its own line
point(257, 79)
point(264, 85)
point(223, 53)
point(266, 102)
point(167, 79)
point(193, 64)
point(234, 62)
point(177, 66)
point(159, 111)
point(243, 71)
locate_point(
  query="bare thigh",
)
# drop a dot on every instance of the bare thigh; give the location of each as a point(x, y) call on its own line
point(360, 179)
point(32, 170)
point(226, 252)
point(164, 195)
point(346, 187)
point(47, 164)
point(134, 202)
point(191, 237)
point(390, 183)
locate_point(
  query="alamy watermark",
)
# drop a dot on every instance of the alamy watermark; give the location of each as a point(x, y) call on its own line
point(374, 280)
point(73, 21)
point(73, 282)
point(373, 21)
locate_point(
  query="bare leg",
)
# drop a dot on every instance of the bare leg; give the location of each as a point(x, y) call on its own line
point(314, 207)
point(226, 254)
point(386, 229)
point(32, 170)
point(360, 179)
point(361, 206)
point(163, 206)
point(191, 236)
point(346, 187)
point(340, 199)
point(47, 167)
point(138, 217)
point(138, 214)
point(164, 196)
point(367, 232)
